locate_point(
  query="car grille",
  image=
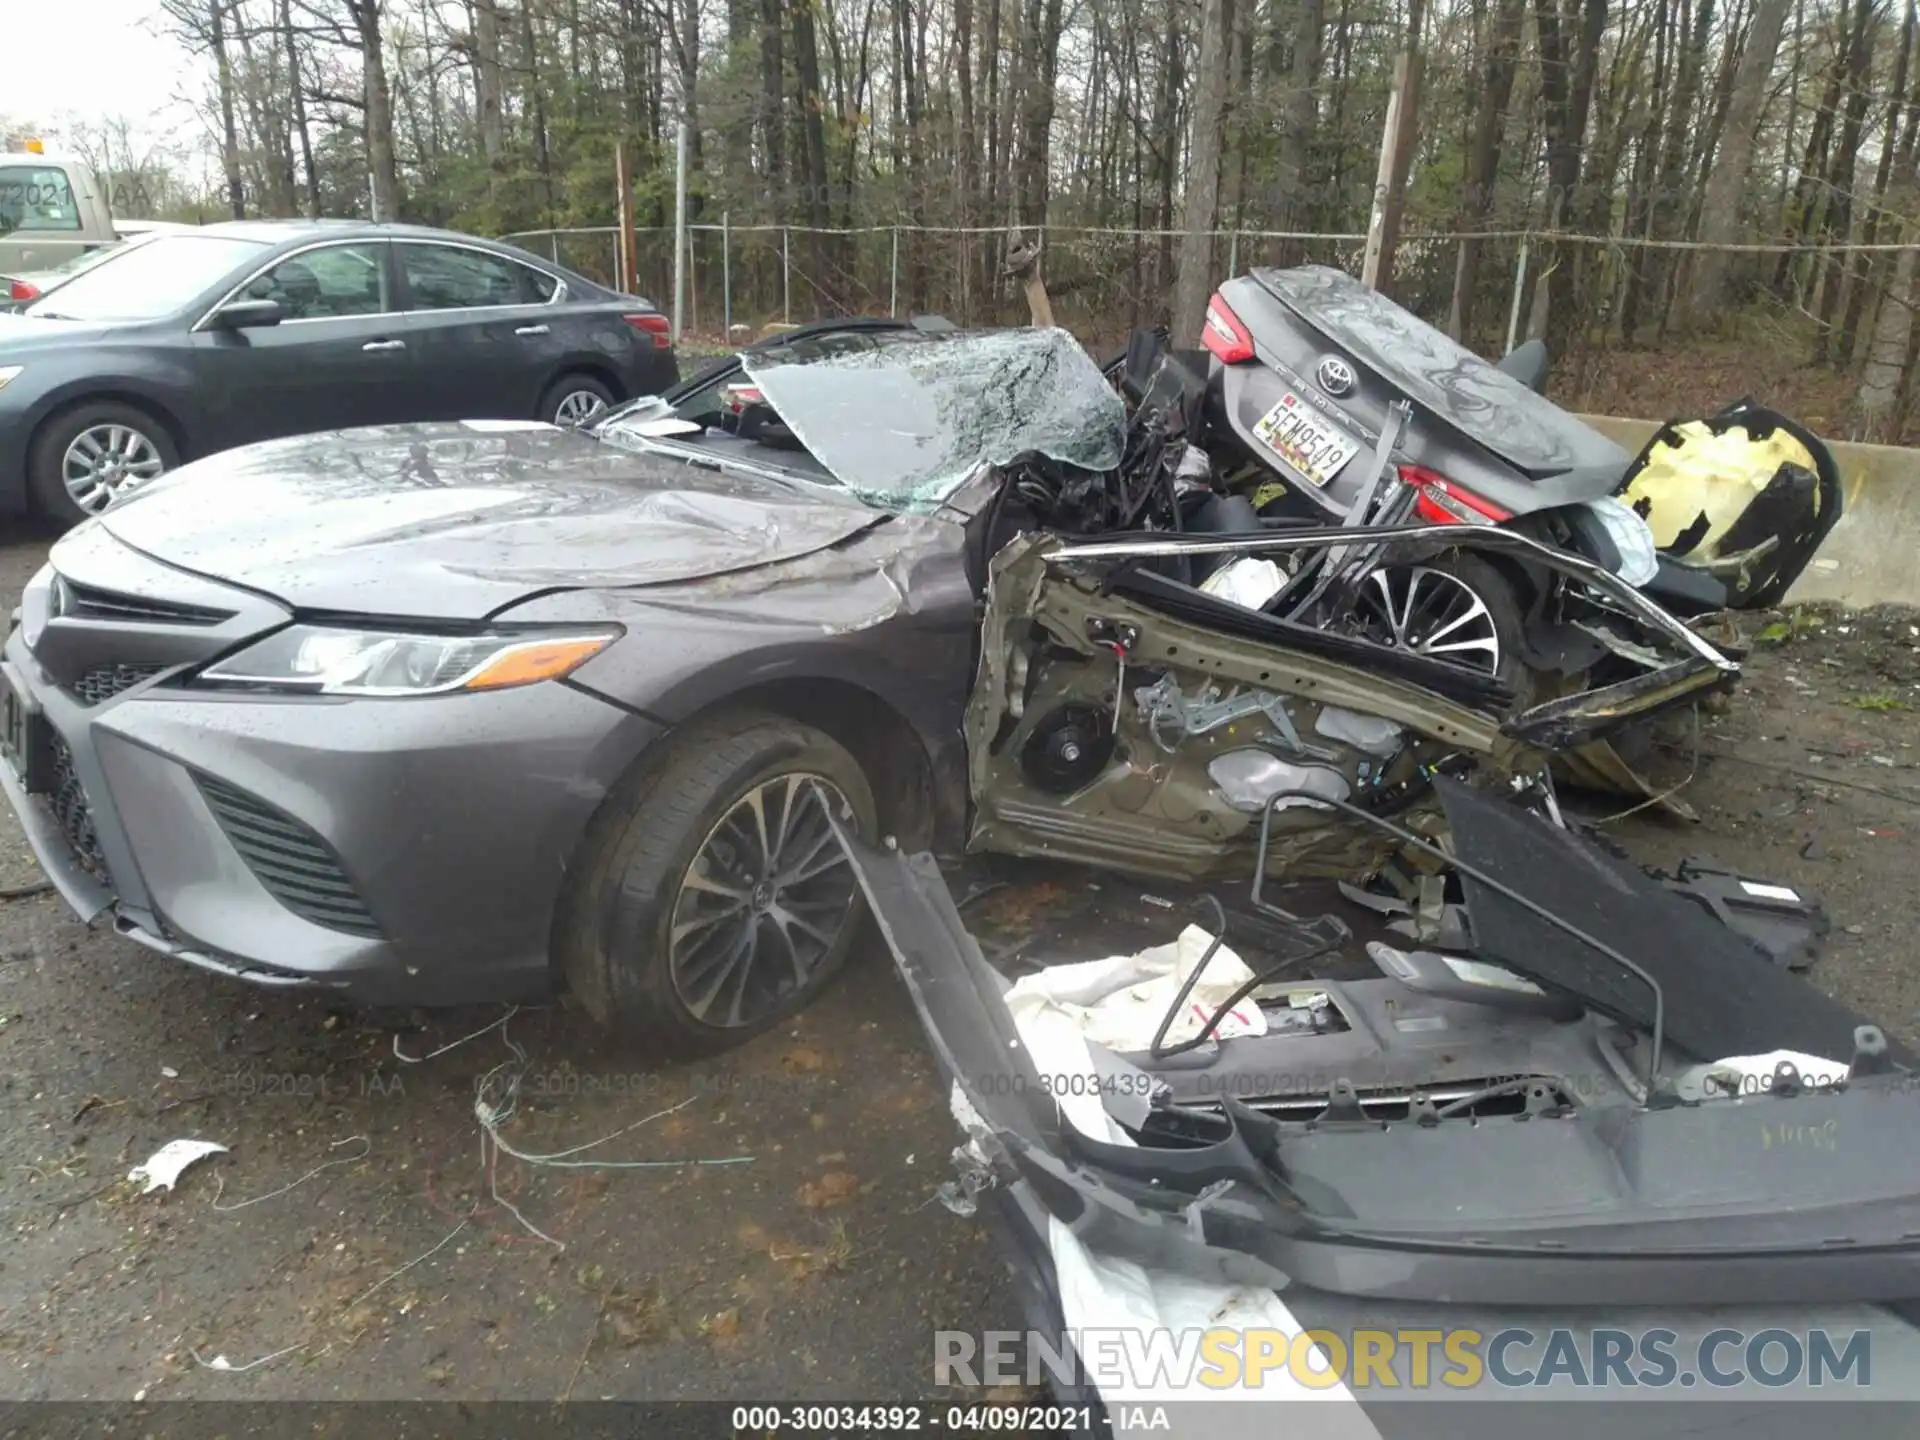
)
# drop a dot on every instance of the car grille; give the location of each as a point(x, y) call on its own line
point(103, 682)
point(296, 866)
point(86, 602)
point(68, 801)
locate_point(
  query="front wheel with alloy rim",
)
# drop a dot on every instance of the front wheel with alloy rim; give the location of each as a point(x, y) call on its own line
point(84, 459)
point(714, 900)
point(575, 400)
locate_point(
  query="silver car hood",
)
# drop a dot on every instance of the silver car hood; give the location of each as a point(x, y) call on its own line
point(456, 521)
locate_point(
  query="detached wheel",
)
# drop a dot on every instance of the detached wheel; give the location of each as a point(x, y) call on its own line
point(85, 458)
point(574, 400)
point(1457, 608)
point(715, 900)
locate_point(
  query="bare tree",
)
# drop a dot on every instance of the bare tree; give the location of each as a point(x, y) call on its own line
point(1501, 48)
point(1194, 278)
point(1720, 209)
point(1876, 402)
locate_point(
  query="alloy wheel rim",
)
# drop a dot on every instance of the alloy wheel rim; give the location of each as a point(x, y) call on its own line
point(763, 904)
point(577, 407)
point(102, 462)
point(1430, 612)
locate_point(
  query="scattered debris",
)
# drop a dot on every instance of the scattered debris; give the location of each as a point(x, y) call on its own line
point(220, 1362)
point(366, 1148)
point(496, 1101)
point(394, 1275)
point(407, 1059)
point(90, 1104)
point(163, 1168)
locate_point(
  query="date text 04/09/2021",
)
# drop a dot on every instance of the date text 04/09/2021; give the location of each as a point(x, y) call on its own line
point(962, 1419)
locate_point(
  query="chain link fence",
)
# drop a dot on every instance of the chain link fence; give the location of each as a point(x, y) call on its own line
point(1809, 319)
point(1107, 281)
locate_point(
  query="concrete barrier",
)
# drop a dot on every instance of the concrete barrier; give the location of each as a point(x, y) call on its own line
point(1872, 557)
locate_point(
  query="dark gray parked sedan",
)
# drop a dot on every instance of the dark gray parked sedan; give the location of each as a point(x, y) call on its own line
point(192, 343)
point(448, 712)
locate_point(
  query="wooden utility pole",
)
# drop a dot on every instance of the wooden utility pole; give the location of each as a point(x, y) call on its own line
point(1396, 159)
point(627, 251)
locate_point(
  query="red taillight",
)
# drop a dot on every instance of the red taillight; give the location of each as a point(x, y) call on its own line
point(738, 397)
point(1446, 502)
point(1223, 333)
point(658, 326)
point(22, 290)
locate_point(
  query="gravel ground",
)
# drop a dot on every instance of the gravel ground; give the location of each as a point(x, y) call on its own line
point(815, 1264)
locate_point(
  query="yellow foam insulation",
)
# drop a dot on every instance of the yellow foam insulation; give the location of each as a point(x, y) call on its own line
point(1715, 475)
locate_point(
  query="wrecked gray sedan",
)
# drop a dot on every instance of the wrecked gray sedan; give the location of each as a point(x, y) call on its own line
point(449, 712)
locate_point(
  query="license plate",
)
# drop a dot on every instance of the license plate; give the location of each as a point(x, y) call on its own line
point(1311, 445)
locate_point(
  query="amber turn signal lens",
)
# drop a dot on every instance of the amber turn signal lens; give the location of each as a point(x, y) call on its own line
point(536, 660)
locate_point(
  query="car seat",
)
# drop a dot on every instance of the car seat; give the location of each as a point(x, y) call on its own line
point(293, 285)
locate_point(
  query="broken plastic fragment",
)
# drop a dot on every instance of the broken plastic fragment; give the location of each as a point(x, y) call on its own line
point(1380, 738)
point(1246, 581)
point(1632, 539)
point(163, 1168)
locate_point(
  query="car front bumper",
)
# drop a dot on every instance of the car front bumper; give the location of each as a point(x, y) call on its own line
point(401, 851)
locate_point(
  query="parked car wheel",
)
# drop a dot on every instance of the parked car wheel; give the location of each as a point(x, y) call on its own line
point(85, 458)
point(1456, 608)
point(573, 400)
point(715, 900)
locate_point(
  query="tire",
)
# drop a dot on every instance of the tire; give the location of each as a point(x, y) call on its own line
point(614, 942)
point(578, 398)
point(141, 442)
point(1501, 627)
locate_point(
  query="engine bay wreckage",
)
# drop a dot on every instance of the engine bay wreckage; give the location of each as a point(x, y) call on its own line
point(1489, 1059)
point(1124, 719)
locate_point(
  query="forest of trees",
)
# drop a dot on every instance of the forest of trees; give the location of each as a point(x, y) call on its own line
point(1640, 143)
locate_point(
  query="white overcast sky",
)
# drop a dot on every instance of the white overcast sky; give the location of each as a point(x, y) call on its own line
point(87, 60)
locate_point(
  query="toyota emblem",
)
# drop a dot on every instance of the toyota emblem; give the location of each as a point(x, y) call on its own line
point(1335, 376)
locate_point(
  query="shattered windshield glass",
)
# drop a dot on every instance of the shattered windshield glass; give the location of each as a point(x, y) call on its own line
point(904, 425)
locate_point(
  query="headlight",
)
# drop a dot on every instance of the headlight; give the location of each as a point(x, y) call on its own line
point(321, 661)
point(8, 374)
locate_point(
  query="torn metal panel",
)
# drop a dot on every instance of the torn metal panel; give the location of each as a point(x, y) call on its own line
point(1573, 720)
point(1451, 536)
point(1099, 727)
